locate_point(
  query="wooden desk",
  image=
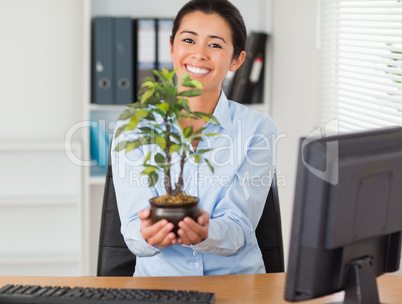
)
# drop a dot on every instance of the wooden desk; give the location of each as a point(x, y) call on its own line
point(242, 289)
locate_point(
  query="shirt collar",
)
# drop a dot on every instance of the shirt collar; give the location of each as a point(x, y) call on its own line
point(221, 113)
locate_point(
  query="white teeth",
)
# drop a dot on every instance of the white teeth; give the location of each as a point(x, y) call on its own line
point(197, 70)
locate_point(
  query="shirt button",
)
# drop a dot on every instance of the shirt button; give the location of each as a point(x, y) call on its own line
point(191, 192)
point(194, 253)
point(196, 265)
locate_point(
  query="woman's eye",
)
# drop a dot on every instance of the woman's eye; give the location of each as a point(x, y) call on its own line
point(188, 40)
point(214, 45)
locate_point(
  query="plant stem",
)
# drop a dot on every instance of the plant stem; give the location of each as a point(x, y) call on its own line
point(168, 180)
point(179, 185)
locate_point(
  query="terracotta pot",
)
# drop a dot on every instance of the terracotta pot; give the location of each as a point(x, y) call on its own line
point(174, 213)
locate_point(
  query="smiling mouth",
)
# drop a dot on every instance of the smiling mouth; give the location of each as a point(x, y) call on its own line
point(196, 70)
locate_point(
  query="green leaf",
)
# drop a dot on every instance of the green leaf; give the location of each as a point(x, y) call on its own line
point(135, 120)
point(161, 142)
point(127, 113)
point(184, 104)
point(159, 159)
point(159, 75)
point(175, 136)
point(171, 99)
point(193, 83)
point(132, 124)
point(188, 131)
point(194, 136)
point(153, 179)
point(147, 157)
point(136, 105)
point(211, 134)
point(188, 84)
point(120, 130)
point(197, 158)
point(149, 84)
point(148, 169)
point(163, 106)
point(206, 117)
point(190, 93)
point(171, 74)
point(186, 76)
point(201, 151)
point(147, 94)
point(214, 120)
point(173, 148)
point(146, 129)
point(209, 165)
point(132, 145)
point(165, 73)
point(121, 145)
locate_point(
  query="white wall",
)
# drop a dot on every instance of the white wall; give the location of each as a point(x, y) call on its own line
point(293, 78)
point(41, 96)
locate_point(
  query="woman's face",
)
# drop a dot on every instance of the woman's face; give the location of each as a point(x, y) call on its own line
point(203, 47)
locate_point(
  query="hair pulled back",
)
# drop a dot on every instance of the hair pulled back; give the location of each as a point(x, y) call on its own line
point(224, 9)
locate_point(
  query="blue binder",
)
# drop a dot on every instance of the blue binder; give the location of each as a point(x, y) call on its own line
point(102, 44)
point(146, 49)
point(99, 145)
point(164, 32)
point(123, 60)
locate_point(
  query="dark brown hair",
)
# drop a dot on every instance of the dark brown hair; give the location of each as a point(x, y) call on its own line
point(224, 9)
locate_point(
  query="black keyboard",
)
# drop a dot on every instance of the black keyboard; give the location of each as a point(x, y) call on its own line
point(77, 295)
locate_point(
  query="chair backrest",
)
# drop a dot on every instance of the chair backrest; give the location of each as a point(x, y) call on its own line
point(115, 259)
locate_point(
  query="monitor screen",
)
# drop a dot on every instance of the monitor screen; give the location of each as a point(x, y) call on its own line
point(347, 215)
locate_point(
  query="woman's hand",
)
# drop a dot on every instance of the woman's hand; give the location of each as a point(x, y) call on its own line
point(159, 234)
point(193, 232)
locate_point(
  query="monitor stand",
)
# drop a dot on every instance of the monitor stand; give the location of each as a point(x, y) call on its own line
point(361, 287)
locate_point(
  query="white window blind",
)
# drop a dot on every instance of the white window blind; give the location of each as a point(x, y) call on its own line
point(360, 63)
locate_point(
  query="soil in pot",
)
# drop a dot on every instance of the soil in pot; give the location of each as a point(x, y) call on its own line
point(174, 209)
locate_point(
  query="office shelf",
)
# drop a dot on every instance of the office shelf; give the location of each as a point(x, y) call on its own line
point(97, 180)
point(18, 259)
point(15, 202)
point(40, 264)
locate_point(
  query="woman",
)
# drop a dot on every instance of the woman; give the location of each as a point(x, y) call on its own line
point(208, 40)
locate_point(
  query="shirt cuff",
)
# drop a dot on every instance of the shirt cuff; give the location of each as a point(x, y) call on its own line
point(139, 246)
point(220, 240)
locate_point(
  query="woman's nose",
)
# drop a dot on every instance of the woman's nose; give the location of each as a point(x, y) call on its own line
point(200, 52)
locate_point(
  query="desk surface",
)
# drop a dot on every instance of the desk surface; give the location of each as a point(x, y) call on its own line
point(242, 289)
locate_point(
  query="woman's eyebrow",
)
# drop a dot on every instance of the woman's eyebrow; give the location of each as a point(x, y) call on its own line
point(210, 36)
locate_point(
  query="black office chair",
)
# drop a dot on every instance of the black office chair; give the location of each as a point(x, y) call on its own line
point(115, 259)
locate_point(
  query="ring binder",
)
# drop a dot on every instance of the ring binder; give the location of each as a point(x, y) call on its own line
point(123, 60)
point(101, 84)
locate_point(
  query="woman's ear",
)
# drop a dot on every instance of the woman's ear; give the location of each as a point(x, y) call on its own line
point(171, 46)
point(237, 62)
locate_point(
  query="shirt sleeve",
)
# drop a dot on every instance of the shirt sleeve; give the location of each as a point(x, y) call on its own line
point(132, 194)
point(236, 216)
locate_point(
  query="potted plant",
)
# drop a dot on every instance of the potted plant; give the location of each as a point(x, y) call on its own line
point(160, 98)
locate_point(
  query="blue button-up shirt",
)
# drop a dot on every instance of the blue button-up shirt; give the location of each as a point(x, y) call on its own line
point(243, 157)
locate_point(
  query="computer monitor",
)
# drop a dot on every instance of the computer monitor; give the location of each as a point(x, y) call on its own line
point(347, 216)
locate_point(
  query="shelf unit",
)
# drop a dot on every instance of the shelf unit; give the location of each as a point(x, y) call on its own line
point(42, 192)
point(40, 210)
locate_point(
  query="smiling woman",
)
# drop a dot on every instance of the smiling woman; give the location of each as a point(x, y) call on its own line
point(208, 40)
point(203, 47)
